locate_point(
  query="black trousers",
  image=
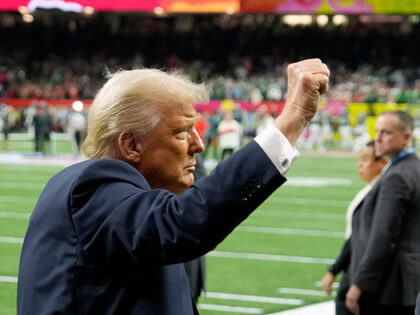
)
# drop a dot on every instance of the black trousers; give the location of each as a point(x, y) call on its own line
point(386, 310)
point(369, 306)
point(340, 298)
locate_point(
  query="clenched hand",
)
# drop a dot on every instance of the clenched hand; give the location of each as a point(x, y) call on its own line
point(307, 81)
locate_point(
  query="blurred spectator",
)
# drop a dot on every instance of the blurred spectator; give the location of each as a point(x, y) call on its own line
point(202, 126)
point(77, 128)
point(345, 130)
point(230, 132)
point(249, 125)
point(315, 141)
point(4, 125)
point(327, 126)
point(211, 134)
point(30, 113)
point(43, 125)
point(360, 132)
point(264, 119)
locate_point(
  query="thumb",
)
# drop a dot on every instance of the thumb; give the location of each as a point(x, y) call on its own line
point(328, 290)
point(322, 80)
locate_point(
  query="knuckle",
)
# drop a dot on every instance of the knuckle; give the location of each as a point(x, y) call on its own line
point(291, 68)
point(305, 77)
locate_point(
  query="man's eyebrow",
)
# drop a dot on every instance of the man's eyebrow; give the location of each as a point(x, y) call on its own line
point(195, 118)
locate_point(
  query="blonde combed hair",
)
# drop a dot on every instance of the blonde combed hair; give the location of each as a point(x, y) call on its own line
point(134, 100)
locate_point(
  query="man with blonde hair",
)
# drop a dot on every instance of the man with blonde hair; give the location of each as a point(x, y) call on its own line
point(109, 235)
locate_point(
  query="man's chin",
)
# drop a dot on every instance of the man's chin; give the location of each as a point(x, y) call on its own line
point(181, 187)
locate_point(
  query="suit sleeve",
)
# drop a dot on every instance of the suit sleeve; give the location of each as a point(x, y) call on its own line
point(121, 224)
point(343, 260)
point(389, 212)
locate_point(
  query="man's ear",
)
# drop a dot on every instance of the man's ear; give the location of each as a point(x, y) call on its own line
point(130, 147)
point(407, 139)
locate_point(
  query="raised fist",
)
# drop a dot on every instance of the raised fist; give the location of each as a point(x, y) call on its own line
point(307, 81)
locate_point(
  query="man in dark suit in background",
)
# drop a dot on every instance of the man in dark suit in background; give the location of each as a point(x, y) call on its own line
point(385, 243)
point(109, 235)
point(43, 126)
point(369, 168)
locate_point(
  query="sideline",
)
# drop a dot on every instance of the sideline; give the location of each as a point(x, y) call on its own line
point(324, 308)
point(271, 257)
point(39, 159)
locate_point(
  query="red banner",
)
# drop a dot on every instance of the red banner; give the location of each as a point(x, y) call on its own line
point(270, 107)
point(25, 102)
point(220, 6)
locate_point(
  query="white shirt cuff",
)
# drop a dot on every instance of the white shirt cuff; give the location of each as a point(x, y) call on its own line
point(278, 148)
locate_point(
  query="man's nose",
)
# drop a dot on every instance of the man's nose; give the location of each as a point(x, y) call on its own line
point(196, 145)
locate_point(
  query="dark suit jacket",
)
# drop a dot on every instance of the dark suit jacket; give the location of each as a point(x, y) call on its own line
point(100, 241)
point(385, 243)
point(417, 310)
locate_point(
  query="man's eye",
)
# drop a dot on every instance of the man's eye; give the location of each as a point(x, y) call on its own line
point(182, 134)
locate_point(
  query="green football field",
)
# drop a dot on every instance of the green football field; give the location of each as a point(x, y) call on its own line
point(272, 262)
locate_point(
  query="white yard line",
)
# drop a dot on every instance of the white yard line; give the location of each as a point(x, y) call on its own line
point(14, 215)
point(18, 199)
point(302, 291)
point(19, 185)
point(324, 308)
point(8, 279)
point(12, 240)
point(230, 309)
point(317, 182)
point(292, 214)
point(36, 159)
point(286, 231)
point(316, 202)
point(270, 257)
point(252, 298)
point(335, 285)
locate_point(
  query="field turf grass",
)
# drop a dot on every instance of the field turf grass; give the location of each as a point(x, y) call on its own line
point(304, 218)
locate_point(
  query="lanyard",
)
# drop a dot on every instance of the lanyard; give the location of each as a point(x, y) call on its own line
point(401, 155)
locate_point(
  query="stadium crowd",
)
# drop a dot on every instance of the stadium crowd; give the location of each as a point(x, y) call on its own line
point(240, 57)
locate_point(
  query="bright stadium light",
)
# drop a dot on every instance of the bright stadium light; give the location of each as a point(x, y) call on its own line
point(77, 106)
point(340, 19)
point(293, 19)
point(88, 10)
point(159, 11)
point(27, 18)
point(23, 10)
point(230, 10)
point(322, 20)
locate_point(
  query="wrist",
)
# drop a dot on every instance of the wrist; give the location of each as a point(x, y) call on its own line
point(291, 124)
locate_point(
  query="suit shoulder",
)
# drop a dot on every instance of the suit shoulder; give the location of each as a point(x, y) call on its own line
point(410, 164)
point(99, 171)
